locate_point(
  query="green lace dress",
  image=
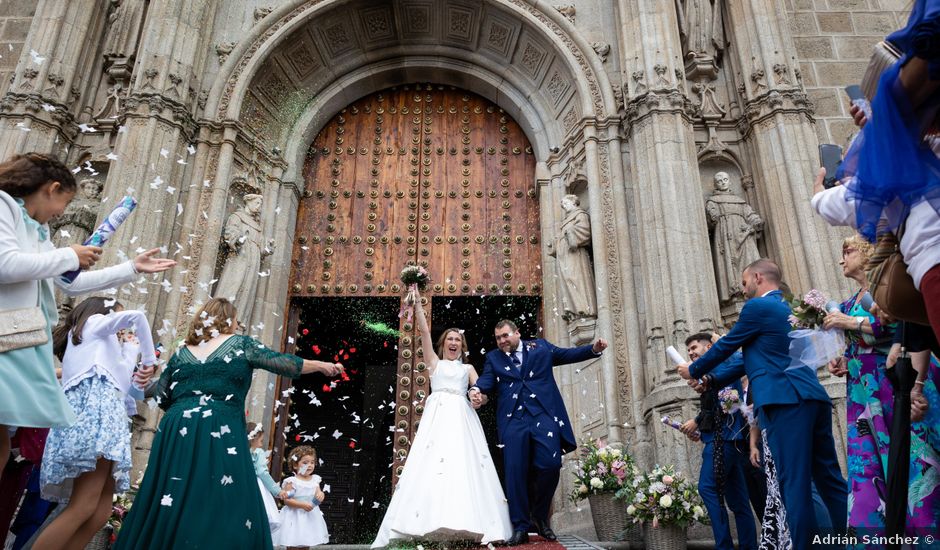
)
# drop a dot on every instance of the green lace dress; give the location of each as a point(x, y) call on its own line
point(200, 489)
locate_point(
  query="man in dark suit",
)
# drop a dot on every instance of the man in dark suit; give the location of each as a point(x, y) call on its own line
point(532, 422)
point(791, 403)
point(721, 479)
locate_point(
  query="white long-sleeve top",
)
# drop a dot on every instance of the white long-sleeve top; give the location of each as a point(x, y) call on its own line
point(24, 260)
point(920, 241)
point(100, 351)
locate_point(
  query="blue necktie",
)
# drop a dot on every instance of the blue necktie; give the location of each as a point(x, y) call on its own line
point(515, 360)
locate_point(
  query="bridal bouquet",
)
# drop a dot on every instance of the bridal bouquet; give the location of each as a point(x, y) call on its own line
point(601, 469)
point(414, 278)
point(811, 345)
point(730, 400)
point(663, 497)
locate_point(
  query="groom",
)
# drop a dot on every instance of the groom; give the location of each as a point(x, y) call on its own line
point(532, 421)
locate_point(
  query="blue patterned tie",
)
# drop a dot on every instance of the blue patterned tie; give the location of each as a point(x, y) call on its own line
point(515, 360)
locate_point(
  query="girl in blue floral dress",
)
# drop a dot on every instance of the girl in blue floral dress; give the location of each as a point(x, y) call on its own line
point(86, 463)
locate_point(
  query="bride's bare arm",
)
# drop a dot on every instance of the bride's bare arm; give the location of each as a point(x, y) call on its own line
point(426, 343)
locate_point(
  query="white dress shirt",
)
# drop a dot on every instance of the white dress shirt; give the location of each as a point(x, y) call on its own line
point(100, 351)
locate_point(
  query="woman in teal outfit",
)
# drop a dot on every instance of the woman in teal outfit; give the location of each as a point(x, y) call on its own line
point(35, 188)
point(200, 489)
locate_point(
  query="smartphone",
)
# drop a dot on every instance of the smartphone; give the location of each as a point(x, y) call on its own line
point(830, 156)
point(854, 92)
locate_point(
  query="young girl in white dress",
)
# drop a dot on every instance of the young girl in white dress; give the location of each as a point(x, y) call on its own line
point(302, 523)
point(449, 489)
point(266, 484)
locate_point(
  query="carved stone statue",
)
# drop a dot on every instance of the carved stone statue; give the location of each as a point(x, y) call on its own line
point(78, 220)
point(734, 245)
point(124, 28)
point(701, 28)
point(245, 248)
point(574, 263)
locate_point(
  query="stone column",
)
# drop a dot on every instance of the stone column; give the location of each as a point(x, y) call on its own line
point(38, 112)
point(677, 284)
point(159, 126)
point(668, 192)
point(282, 201)
point(779, 133)
point(152, 155)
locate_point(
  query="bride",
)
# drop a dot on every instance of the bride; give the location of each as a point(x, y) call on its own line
point(448, 489)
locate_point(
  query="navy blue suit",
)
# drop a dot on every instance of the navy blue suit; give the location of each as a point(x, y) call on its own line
point(734, 428)
point(532, 422)
point(794, 409)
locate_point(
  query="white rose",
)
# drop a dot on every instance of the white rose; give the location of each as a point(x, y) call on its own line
point(631, 509)
point(583, 489)
point(596, 483)
point(666, 501)
point(697, 512)
point(616, 452)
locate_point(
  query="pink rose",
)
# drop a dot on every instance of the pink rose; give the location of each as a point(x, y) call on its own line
point(667, 479)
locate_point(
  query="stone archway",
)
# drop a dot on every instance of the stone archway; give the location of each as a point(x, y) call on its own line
point(290, 76)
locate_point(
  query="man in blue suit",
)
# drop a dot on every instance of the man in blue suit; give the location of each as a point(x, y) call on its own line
point(720, 432)
point(791, 403)
point(531, 420)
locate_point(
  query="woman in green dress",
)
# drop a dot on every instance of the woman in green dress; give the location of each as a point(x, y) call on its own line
point(199, 490)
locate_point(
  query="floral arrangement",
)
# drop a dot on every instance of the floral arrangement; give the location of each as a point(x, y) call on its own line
point(811, 345)
point(730, 400)
point(120, 508)
point(415, 275)
point(809, 311)
point(663, 497)
point(601, 469)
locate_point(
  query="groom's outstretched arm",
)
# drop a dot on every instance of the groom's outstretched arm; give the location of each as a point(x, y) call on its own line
point(565, 356)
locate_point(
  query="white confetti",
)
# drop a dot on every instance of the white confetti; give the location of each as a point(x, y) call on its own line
point(227, 480)
point(86, 128)
point(164, 153)
point(37, 59)
point(183, 431)
point(111, 156)
point(48, 108)
point(191, 150)
point(167, 500)
point(231, 451)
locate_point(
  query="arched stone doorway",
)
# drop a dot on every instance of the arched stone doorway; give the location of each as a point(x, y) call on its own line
point(284, 81)
point(418, 174)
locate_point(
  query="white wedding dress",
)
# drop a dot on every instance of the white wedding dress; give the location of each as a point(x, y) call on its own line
point(448, 489)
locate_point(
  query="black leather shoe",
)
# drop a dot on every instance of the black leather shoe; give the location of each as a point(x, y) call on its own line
point(545, 531)
point(518, 538)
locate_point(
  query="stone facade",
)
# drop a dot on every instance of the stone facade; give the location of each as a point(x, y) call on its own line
point(197, 101)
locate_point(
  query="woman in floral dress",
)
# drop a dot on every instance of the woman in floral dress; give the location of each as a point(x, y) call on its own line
point(869, 408)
